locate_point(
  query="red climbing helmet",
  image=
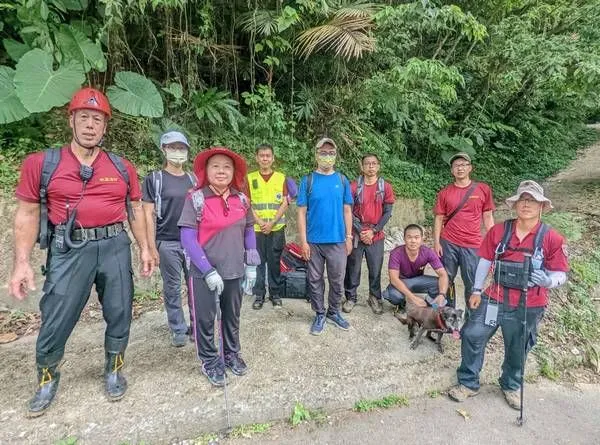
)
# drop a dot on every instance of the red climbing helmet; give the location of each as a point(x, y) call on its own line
point(90, 99)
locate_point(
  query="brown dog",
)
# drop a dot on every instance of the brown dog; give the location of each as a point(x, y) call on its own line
point(445, 320)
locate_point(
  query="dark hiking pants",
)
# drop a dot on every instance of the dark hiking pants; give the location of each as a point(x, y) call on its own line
point(464, 257)
point(424, 284)
point(205, 309)
point(69, 279)
point(270, 248)
point(374, 257)
point(475, 335)
point(172, 263)
point(332, 256)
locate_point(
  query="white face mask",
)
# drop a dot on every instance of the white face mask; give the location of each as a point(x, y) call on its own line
point(177, 157)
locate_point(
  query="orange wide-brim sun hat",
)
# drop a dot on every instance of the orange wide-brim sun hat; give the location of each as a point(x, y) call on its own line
point(239, 165)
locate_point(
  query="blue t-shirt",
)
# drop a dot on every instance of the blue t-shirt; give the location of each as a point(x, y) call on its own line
point(325, 207)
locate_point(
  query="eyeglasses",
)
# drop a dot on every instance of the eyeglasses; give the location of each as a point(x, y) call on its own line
point(326, 153)
point(527, 201)
point(457, 166)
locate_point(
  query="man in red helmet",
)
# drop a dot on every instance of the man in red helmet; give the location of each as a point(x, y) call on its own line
point(79, 196)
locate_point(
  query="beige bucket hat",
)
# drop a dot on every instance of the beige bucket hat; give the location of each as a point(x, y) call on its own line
point(532, 188)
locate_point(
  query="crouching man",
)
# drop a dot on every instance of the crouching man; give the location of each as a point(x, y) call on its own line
point(529, 258)
point(406, 269)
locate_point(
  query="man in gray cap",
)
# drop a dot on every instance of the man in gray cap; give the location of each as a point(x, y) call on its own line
point(526, 254)
point(164, 193)
point(325, 232)
point(459, 211)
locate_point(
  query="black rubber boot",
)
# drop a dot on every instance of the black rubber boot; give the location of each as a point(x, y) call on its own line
point(114, 381)
point(48, 378)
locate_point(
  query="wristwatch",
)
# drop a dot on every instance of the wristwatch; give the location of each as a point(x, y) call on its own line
point(476, 291)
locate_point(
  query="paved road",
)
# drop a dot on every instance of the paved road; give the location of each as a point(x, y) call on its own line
point(555, 414)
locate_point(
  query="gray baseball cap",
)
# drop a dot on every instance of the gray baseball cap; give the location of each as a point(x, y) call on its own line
point(324, 141)
point(172, 137)
point(461, 155)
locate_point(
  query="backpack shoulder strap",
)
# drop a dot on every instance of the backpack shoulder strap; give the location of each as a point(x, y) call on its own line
point(501, 247)
point(198, 203)
point(51, 160)
point(309, 185)
point(360, 187)
point(244, 200)
point(193, 178)
point(120, 165)
point(380, 188)
point(157, 181)
point(539, 239)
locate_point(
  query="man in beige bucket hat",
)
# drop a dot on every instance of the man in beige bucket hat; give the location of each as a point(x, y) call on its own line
point(526, 254)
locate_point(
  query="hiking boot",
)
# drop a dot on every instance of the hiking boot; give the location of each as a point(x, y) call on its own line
point(234, 362)
point(215, 375)
point(48, 378)
point(460, 393)
point(179, 339)
point(348, 306)
point(258, 303)
point(277, 303)
point(338, 320)
point(400, 314)
point(114, 381)
point(318, 325)
point(513, 398)
point(375, 304)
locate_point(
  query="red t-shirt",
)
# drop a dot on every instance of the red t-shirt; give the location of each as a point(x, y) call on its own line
point(464, 229)
point(103, 201)
point(371, 210)
point(554, 259)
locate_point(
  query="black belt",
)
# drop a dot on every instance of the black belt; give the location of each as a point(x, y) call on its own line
point(97, 233)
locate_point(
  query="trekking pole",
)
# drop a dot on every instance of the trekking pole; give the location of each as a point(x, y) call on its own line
point(526, 269)
point(222, 354)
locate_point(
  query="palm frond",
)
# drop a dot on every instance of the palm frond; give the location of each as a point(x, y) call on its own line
point(357, 10)
point(348, 37)
point(263, 22)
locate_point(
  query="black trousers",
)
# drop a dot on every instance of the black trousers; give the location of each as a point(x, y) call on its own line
point(269, 248)
point(69, 279)
point(205, 310)
point(374, 256)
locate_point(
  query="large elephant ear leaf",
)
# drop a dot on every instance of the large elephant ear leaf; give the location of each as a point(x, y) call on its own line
point(40, 87)
point(75, 45)
point(135, 95)
point(11, 108)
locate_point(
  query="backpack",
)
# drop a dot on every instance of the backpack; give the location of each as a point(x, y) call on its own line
point(49, 165)
point(157, 181)
point(510, 274)
point(198, 201)
point(360, 187)
point(293, 269)
point(291, 259)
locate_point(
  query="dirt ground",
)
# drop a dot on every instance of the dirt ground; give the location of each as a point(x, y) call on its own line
point(169, 400)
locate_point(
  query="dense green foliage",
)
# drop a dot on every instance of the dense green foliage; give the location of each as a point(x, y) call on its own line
point(510, 81)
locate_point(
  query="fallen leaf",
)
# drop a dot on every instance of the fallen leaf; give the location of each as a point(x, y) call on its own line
point(8, 337)
point(463, 413)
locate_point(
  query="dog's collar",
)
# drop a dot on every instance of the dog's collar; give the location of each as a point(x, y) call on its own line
point(440, 321)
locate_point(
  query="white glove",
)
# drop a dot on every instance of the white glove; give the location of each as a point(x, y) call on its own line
point(540, 278)
point(214, 282)
point(249, 279)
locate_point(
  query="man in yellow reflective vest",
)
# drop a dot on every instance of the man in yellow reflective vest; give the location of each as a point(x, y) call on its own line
point(270, 192)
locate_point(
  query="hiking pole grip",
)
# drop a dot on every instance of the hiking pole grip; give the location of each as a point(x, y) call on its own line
point(524, 289)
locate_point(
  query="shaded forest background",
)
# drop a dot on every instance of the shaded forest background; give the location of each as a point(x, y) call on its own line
point(510, 81)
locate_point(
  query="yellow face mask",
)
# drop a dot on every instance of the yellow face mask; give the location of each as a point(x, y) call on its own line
point(326, 161)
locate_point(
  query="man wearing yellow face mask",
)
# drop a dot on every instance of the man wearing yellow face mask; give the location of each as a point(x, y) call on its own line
point(164, 193)
point(325, 232)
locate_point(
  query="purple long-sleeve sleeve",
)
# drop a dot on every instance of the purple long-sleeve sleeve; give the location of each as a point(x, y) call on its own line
point(193, 249)
point(252, 255)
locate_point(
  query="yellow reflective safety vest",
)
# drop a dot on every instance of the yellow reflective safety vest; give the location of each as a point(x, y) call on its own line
point(266, 197)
